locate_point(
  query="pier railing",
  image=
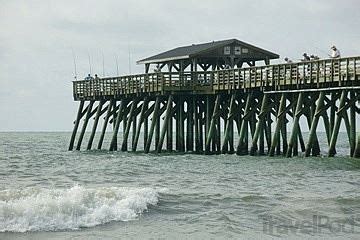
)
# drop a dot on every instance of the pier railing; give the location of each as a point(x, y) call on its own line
point(300, 75)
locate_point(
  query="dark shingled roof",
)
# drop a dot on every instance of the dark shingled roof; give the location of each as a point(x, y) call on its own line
point(192, 50)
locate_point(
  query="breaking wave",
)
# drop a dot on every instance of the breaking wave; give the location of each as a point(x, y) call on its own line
point(38, 209)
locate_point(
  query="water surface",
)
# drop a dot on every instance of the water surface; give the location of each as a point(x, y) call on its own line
point(47, 192)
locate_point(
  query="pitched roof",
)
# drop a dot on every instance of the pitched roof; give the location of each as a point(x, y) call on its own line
point(195, 49)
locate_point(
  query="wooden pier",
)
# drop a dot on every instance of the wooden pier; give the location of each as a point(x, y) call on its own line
point(253, 110)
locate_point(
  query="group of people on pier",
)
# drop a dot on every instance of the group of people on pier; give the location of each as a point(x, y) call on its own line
point(335, 53)
point(309, 69)
point(89, 77)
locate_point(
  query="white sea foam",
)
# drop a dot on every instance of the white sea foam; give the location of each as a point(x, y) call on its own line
point(34, 209)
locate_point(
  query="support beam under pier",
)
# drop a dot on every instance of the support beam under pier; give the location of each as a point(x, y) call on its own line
point(76, 125)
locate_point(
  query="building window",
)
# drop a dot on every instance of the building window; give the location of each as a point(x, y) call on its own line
point(237, 50)
point(245, 50)
point(227, 50)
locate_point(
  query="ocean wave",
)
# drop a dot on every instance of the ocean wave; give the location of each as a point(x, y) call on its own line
point(39, 209)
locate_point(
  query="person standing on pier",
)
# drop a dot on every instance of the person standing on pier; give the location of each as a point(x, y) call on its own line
point(287, 71)
point(87, 84)
point(305, 58)
point(292, 70)
point(335, 53)
point(314, 57)
point(89, 77)
point(287, 60)
point(97, 85)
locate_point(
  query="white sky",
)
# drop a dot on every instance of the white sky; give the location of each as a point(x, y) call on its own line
point(36, 38)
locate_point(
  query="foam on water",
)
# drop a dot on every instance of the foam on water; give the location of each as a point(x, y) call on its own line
point(38, 209)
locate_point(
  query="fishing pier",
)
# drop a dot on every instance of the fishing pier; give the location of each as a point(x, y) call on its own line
point(222, 97)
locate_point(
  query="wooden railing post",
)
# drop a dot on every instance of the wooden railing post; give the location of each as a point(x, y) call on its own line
point(354, 68)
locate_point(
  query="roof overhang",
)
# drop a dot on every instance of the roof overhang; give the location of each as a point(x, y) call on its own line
point(163, 60)
point(195, 50)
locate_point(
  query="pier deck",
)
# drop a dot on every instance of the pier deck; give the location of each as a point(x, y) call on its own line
point(325, 73)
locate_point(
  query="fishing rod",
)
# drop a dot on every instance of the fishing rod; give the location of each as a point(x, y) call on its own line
point(74, 60)
point(322, 51)
point(129, 56)
point(117, 65)
point(103, 64)
point(128, 43)
point(89, 63)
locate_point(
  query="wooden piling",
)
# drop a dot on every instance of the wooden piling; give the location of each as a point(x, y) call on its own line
point(284, 136)
point(96, 120)
point(165, 123)
point(189, 125)
point(218, 134)
point(181, 125)
point(169, 133)
point(113, 121)
point(262, 141)
point(268, 129)
point(335, 131)
point(301, 139)
point(76, 125)
point(157, 128)
point(177, 126)
point(260, 124)
point(146, 131)
point(224, 113)
point(212, 125)
point(125, 118)
point(106, 120)
point(134, 125)
point(128, 125)
point(242, 148)
point(310, 114)
point(113, 144)
point(153, 123)
point(144, 108)
point(279, 121)
point(327, 126)
point(314, 123)
point(86, 120)
point(332, 112)
point(196, 125)
point(295, 128)
point(352, 135)
point(201, 127)
point(207, 117)
point(357, 148)
point(228, 125)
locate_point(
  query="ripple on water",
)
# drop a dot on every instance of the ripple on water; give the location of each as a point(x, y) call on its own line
point(218, 195)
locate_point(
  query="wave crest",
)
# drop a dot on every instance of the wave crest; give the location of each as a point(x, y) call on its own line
point(37, 209)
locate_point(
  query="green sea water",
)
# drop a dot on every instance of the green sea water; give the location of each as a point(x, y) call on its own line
point(47, 192)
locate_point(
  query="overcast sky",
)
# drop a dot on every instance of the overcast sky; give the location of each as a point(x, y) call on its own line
point(37, 38)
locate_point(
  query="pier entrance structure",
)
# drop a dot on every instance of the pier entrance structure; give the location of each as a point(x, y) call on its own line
point(213, 98)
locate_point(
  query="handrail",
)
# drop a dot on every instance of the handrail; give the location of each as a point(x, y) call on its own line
point(298, 75)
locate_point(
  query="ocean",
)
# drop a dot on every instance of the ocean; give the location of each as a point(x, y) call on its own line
point(47, 192)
